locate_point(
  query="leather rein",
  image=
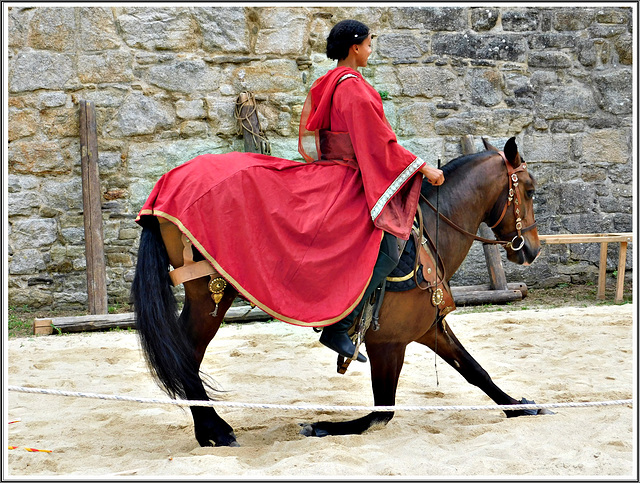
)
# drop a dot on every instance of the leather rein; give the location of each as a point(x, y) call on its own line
point(514, 195)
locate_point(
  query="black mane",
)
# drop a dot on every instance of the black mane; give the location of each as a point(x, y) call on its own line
point(451, 167)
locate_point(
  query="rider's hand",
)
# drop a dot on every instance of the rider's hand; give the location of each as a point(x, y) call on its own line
point(435, 176)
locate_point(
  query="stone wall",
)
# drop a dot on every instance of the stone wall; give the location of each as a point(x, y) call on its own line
point(164, 82)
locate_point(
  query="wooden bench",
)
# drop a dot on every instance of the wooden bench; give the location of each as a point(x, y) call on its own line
point(604, 239)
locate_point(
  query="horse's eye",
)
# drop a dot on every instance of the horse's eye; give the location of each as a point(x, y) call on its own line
point(531, 194)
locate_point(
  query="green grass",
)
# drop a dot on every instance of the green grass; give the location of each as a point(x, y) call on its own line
point(20, 321)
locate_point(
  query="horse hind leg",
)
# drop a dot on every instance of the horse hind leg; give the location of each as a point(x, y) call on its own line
point(451, 351)
point(200, 327)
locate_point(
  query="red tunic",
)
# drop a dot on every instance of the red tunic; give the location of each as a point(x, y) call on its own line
point(300, 240)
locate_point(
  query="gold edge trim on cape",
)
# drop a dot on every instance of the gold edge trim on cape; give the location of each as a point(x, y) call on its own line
point(395, 186)
point(245, 293)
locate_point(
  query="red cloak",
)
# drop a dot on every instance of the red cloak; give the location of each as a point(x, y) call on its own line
point(300, 240)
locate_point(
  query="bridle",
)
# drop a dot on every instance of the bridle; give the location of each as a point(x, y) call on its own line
point(513, 196)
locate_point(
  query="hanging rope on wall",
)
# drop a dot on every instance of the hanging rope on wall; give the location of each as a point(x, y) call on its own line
point(255, 140)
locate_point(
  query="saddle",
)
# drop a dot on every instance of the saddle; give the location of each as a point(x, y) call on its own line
point(416, 268)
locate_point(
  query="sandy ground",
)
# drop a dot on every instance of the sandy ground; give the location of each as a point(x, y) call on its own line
point(557, 355)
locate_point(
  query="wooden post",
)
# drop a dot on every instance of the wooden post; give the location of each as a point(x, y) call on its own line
point(91, 200)
point(497, 277)
point(621, 268)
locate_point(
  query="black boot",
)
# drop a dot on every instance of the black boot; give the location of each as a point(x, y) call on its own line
point(336, 337)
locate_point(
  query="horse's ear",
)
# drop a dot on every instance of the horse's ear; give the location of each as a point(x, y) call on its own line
point(488, 146)
point(511, 152)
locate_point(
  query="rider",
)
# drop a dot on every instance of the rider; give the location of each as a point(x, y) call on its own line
point(342, 102)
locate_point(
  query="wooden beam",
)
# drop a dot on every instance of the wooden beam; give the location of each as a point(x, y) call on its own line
point(86, 323)
point(459, 292)
point(587, 238)
point(482, 297)
point(92, 206)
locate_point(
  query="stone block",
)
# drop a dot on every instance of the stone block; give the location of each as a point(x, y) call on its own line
point(624, 49)
point(555, 60)
point(129, 234)
point(270, 76)
point(549, 40)
point(401, 46)
point(498, 122)
point(193, 128)
point(52, 28)
point(604, 147)
point(105, 98)
point(282, 31)
point(486, 86)
point(221, 112)
point(508, 47)
point(98, 29)
point(483, 19)
point(32, 70)
point(140, 114)
point(613, 15)
point(429, 81)
point(52, 99)
point(22, 123)
point(576, 18)
point(415, 118)
point(188, 76)
point(544, 148)
point(73, 236)
point(33, 233)
point(109, 161)
point(615, 88)
point(60, 122)
point(17, 26)
point(224, 29)
point(569, 101)
point(24, 262)
point(33, 157)
point(520, 20)
point(64, 195)
point(159, 28)
point(190, 109)
point(105, 67)
point(428, 18)
point(24, 203)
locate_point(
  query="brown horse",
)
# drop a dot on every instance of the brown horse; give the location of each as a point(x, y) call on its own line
point(477, 189)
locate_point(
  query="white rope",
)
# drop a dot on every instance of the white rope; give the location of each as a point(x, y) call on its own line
point(288, 407)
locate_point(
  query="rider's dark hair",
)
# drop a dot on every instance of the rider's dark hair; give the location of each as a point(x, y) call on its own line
point(343, 35)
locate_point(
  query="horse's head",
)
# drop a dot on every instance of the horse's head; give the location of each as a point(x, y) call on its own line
point(512, 218)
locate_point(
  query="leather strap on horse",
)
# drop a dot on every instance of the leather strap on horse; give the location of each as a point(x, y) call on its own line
point(190, 270)
point(513, 181)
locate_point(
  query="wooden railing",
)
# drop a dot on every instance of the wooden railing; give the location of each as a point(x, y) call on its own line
point(604, 239)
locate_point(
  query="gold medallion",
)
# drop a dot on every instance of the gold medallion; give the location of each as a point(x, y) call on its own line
point(216, 287)
point(437, 297)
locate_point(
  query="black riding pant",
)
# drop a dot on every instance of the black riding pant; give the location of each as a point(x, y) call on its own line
point(388, 259)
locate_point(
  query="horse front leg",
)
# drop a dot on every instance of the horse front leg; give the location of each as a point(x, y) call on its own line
point(451, 351)
point(386, 363)
point(210, 429)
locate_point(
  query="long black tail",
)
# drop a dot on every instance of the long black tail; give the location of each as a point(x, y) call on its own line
point(164, 338)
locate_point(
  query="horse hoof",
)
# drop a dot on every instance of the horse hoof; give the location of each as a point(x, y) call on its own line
point(528, 412)
point(311, 430)
point(232, 444)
